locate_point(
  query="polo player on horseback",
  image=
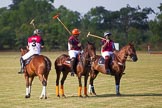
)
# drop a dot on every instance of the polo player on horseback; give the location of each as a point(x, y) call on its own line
point(107, 49)
point(35, 43)
point(74, 48)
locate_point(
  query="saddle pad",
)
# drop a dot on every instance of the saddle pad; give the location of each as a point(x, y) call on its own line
point(68, 61)
point(101, 61)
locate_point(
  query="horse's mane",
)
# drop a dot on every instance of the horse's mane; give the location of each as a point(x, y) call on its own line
point(22, 47)
point(88, 43)
point(129, 44)
point(23, 50)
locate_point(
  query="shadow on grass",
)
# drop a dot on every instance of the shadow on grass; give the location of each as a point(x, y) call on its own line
point(128, 95)
point(114, 95)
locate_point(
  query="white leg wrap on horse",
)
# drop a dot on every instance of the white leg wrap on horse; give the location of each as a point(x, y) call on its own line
point(43, 91)
point(27, 91)
point(89, 89)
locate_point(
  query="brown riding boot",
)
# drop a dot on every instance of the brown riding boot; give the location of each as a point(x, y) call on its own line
point(72, 63)
point(107, 59)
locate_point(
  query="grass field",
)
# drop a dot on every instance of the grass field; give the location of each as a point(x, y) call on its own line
point(141, 86)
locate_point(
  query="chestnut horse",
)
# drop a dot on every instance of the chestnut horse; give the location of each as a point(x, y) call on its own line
point(82, 68)
point(117, 66)
point(40, 66)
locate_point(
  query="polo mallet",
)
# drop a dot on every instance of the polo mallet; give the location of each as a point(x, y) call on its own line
point(32, 22)
point(57, 17)
point(89, 34)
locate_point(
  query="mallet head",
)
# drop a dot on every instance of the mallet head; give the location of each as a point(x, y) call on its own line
point(88, 34)
point(56, 16)
point(32, 21)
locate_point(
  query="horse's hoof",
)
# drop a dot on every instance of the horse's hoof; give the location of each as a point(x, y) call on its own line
point(27, 96)
point(63, 96)
point(94, 93)
point(58, 96)
point(41, 97)
point(80, 96)
point(86, 96)
point(118, 94)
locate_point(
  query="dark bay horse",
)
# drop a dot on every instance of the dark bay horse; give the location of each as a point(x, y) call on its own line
point(117, 66)
point(40, 66)
point(82, 68)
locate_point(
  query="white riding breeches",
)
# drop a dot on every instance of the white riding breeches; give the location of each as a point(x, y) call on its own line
point(29, 53)
point(73, 53)
point(106, 53)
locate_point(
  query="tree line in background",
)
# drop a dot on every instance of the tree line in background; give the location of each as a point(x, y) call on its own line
point(127, 24)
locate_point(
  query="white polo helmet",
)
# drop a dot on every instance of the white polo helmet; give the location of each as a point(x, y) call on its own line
point(107, 34)
point(37, 31)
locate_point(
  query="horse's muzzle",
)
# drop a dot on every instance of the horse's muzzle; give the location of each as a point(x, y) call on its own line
point(134, 58)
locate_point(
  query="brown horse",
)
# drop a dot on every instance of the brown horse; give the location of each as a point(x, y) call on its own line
point(82, 68)
point(117, 66)
point(38, 66)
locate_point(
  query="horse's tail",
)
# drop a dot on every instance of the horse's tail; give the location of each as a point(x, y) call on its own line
point(48, 63)
point(56, 63)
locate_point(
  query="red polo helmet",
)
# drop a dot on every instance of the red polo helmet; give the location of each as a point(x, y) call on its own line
point(75, 31)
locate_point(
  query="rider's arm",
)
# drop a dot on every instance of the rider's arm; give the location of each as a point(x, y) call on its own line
point(113, 47)
point(104, 44)
point(42, 43)
point(72, 45)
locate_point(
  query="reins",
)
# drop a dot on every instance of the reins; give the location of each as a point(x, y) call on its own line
point(85, 57)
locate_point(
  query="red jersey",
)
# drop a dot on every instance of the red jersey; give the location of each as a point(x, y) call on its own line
point(109, 46)
point(74, 42)
point(35, 38)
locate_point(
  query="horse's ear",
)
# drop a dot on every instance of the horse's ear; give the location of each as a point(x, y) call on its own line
point(88, 42)
point(131, 43)
point(92, 43)
point(21, 49)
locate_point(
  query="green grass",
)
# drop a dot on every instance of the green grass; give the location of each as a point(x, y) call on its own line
point(141, 86)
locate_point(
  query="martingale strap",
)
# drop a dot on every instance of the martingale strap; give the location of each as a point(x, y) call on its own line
point(121, 64)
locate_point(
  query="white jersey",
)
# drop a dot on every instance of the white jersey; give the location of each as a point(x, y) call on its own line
point(34, 44)
point(34, 47)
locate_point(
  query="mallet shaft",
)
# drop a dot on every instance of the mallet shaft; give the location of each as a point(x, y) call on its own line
point(64, 25)
point(94, 36)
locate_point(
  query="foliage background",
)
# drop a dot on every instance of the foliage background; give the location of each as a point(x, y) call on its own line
point(127, 24)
